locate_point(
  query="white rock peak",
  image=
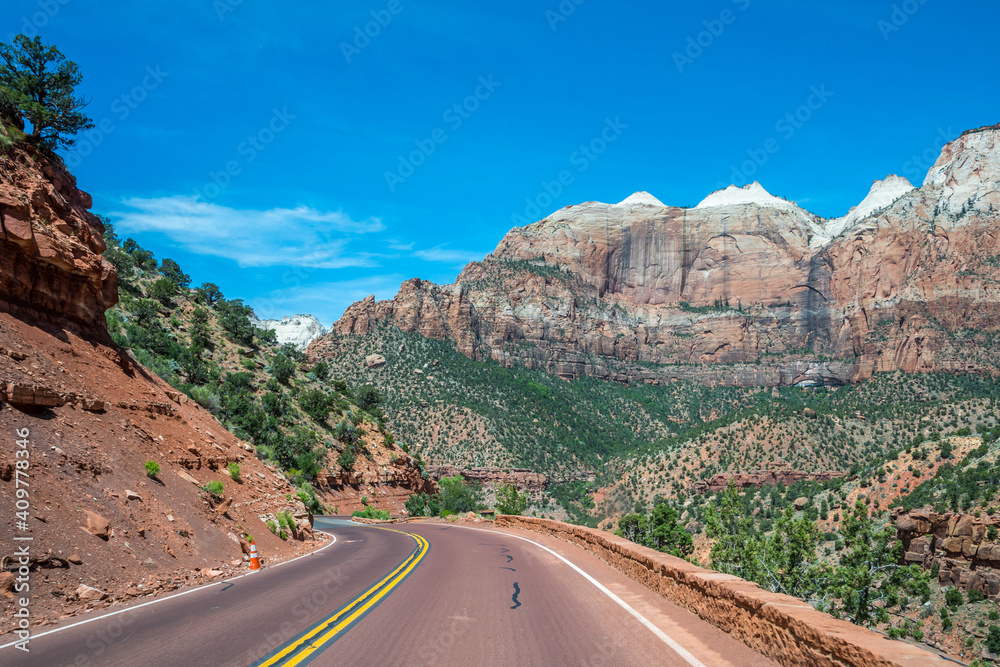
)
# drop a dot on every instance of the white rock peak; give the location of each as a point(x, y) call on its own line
point(299, 330)
point(642, 199)
point(753, 194)
point(882, 194)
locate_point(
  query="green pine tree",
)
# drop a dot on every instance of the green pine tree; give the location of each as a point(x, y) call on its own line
point(38, 84)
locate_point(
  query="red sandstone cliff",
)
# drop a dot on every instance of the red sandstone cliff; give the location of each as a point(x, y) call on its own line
point(51, 266)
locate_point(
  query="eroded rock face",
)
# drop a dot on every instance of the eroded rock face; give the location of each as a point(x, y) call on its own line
point(491, 477)
point(744, 289)
point(959, 544)
point(51, 245)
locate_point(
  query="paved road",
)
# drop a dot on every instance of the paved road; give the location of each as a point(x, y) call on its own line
point(420, 594)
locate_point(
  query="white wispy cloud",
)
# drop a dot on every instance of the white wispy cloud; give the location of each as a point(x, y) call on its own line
point(300, 236)
point(449, 256)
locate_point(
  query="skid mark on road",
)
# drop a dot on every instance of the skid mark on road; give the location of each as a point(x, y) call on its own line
point(664, 637)
point(517, 592)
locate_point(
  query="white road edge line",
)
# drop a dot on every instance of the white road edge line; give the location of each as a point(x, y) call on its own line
point(171, 597)
point(664, 637)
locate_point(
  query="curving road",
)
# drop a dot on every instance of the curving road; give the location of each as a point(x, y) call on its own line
point(420, 594)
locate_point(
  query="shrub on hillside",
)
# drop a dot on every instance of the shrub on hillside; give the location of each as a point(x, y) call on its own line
point(346, 459)
point(215, 487)
point(282, 368)
point(459, 496)
point(234, 317)
point(510, 500)
point(321, 370)
point(170, 270)
point(207, 399)
point(372, 513)
point(316, 404)
point(368, 397)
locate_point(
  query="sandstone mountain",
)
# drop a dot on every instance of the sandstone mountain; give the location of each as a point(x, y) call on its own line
point(744, 289)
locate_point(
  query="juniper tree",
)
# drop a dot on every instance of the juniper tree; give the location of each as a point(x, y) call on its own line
point(38, 84)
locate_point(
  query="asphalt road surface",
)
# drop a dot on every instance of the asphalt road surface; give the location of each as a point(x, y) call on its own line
point(408, 594)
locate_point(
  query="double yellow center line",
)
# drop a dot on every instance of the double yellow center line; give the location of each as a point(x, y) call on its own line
point(318, 638)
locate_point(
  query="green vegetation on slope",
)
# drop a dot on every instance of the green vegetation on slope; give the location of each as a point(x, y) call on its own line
point(644, 440)
point(205, 345)
point(455, 410)
point(850, 429)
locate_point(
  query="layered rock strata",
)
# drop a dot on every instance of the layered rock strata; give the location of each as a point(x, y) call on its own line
point(51, 267)
point(965, 548)
point(744, 289)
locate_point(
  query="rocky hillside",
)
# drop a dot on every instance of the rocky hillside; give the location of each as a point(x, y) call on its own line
point(105, 527)
point(328, 438)
point(135, 487)
point(937, 494)
point(745, 288)
point(843, 434)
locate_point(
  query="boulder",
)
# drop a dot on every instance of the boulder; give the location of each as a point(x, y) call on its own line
point(224, 507)
point(969, 549)
point(921, 545)
point(303, 531)
point(952, 545)
point(176, 397)
point(990, 552)
point(30, 396)
point(75, 559)
point(992, 583)
point(92, 405)
point(374, 361)
point(800, 503)
point(186, 477)
point(693, 527)
point(7, 583)
point(132, 495)
point(962, 526)
point(98, 525)
point(88, 594)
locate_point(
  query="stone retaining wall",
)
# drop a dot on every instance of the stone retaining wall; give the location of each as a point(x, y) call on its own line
point(783, 628)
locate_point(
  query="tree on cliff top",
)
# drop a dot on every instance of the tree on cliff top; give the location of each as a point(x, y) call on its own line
point(37, 84)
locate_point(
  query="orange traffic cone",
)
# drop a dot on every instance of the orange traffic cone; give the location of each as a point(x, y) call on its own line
point(254, 560)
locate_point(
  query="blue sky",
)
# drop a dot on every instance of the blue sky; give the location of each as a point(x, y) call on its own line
point(279, 151)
